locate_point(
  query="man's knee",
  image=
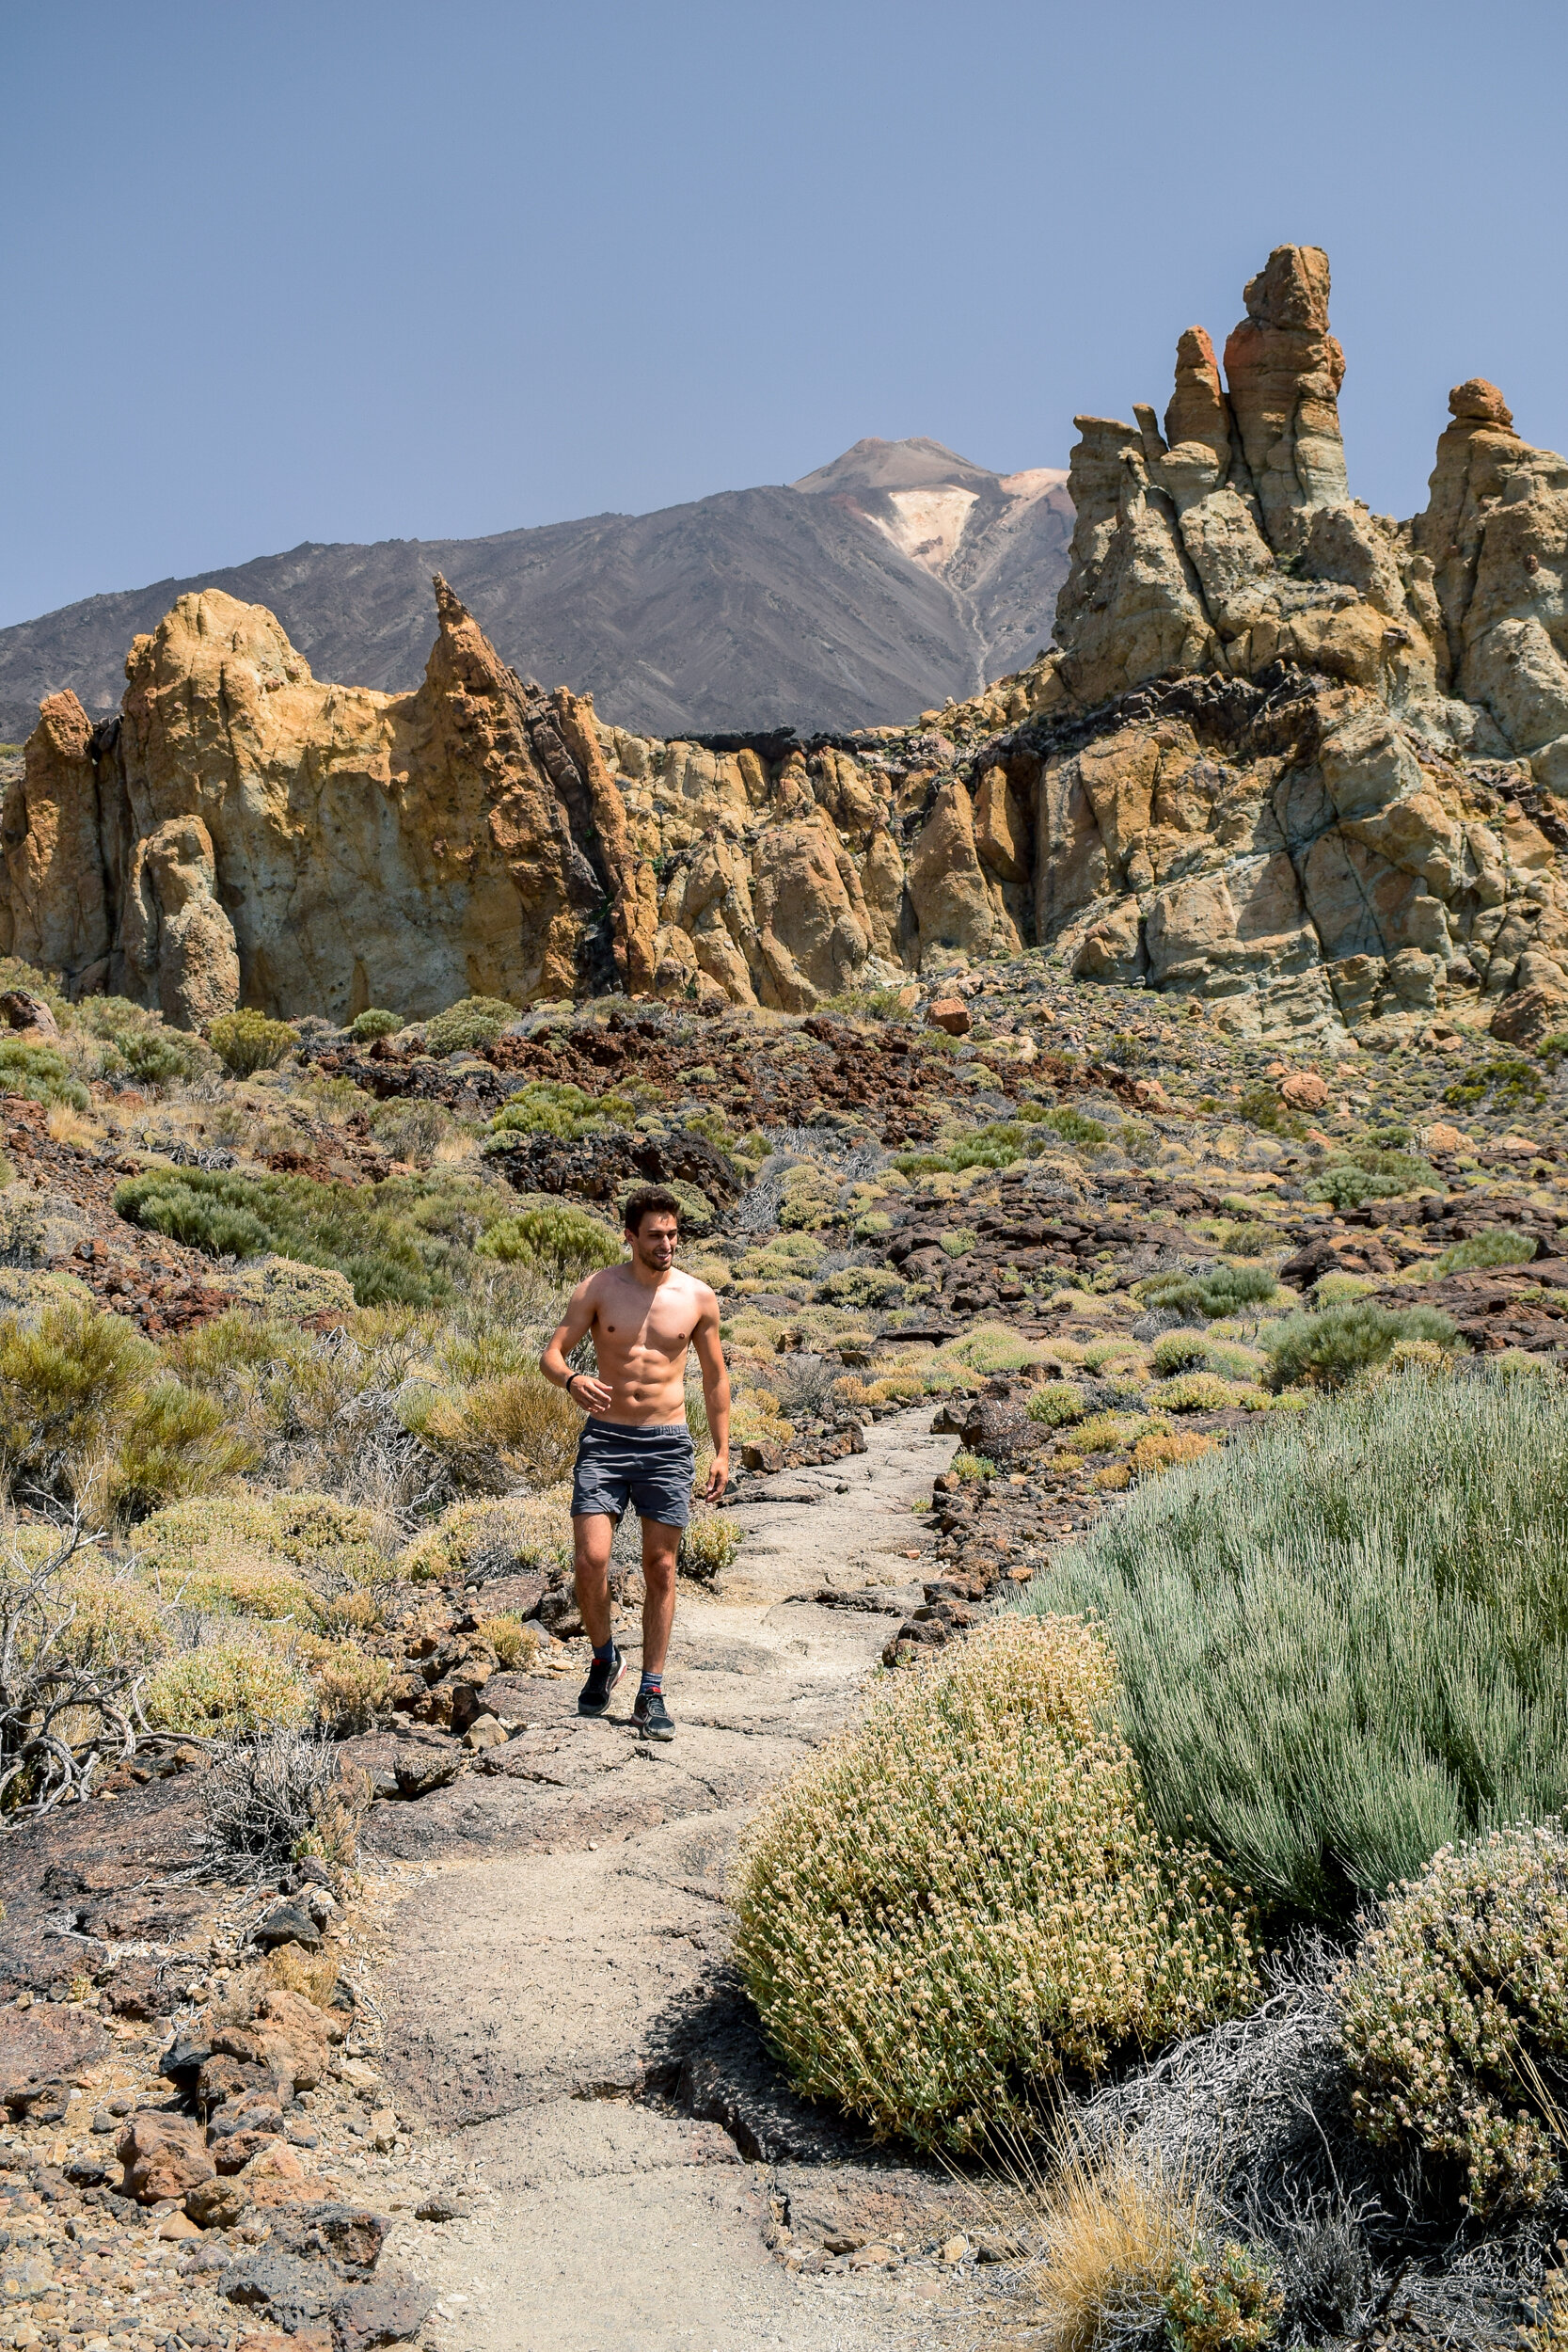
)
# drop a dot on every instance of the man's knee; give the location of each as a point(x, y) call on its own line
point(661, 1549)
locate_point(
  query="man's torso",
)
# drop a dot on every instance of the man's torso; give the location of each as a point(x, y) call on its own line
point(640, 1337)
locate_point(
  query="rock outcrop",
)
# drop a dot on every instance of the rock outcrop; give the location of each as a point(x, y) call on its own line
point(1283, 754)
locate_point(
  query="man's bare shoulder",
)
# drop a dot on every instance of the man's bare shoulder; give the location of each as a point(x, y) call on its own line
point(601, 1284)
point(704, 1299)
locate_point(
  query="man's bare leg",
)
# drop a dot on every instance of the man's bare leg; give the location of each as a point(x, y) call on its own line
point(592, 1533)
point(660, 1544)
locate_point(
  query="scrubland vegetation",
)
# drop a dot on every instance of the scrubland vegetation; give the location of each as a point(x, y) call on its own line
point(1249, 1802)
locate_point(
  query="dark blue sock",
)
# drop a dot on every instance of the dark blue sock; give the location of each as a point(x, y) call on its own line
point(652, 1682)
point(605, 1657)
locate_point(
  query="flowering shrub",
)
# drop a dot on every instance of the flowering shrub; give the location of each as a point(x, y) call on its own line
point(963, 1895)
point(1231, 2300)
point(1057, 1403)
point(1455, 2015)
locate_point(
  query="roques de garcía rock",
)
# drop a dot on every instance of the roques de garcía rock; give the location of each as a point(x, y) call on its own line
point(1284, 753)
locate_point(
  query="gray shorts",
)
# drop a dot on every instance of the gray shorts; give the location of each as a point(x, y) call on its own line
point(650, 1469)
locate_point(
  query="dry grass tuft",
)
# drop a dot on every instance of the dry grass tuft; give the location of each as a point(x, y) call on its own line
point(1117, 2228)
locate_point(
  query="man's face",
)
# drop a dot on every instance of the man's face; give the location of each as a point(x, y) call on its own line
point(652, 1245)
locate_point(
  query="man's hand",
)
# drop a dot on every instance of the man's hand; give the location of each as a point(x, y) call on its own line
point(594, 1396)
point(718, 1478)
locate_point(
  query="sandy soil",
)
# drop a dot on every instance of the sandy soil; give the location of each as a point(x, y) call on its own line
point(561, 2004)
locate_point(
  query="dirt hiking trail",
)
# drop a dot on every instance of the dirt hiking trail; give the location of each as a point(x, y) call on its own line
point(561, 2007)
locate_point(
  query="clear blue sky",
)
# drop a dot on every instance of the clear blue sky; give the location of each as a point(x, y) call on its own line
point(356, 269)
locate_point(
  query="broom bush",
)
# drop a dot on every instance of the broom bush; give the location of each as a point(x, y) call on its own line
point(1343, 1643)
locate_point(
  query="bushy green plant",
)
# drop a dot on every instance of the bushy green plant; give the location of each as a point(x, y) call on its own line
point(1454, 2015)
point(1247, 1240)
point(1207, 1391)
point(707, 1547)
point(902, 1927)
point(546, 1106)
point(1326, 1349)
point(392, 1242)
point(1261, 1107)
point(465, 1027)
point(1497, 1245)
point(565, 1241)
point(1223, 1290)
point(1374, 1171)
point(957, 1242)
point(970, 1465)
point(1513, 1083)
point(223, 1691)
point(1073, 1126)
point(1200, 1351)
point(863, 1286)
point(87, 1413)
point(1344, 1643)
point(247, 1041)
point(1056, 1403)
point(1226, 2302)
point(40, 1073)
point(372, 1023)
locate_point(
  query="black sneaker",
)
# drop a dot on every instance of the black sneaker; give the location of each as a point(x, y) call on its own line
point(603, 1675)
point(652, 1717)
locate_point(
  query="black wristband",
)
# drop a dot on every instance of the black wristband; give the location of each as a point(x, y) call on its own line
point(570, 1378)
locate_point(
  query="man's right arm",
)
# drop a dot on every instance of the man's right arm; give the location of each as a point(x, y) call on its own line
point(585, 1391)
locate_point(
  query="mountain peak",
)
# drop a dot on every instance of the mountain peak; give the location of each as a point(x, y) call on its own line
point(913, 465)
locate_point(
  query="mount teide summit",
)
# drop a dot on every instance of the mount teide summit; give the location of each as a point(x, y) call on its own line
point(896, 577)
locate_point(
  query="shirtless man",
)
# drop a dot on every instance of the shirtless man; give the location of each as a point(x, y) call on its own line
point(636, 1447)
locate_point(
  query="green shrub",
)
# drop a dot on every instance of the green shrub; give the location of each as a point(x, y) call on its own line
point(158, 1057)
point(40, 1073)
point(1454, 2016)
point(222, 1691)
point(1261, 1107)
point(1374, 1171)
point(382, 1239)
point(1247, 1240)
point(1513, 1083)
point(247, 1041)
point(372, 1023)
point(137, 1041)
point(1225, 2303)
point(1223, 1290)
point(1497, 1245)
point(862, 1286)
point(1206, 1392)
point(1057, 1403)
point(551, 1106)
point(707, 1547)
point(1324, 1350)
point(465, 1027)
point(1344, 1642)
point(970, 1465)
point(1199, 1351)
point(88, 1414)
point(1073, 1126)
point(566, 1241)
point(901, 1922)
point(961, 1239)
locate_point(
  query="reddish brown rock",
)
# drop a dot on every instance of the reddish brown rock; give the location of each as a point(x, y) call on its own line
point(162, 2155)
point(950, 1013)
point(43, 2048)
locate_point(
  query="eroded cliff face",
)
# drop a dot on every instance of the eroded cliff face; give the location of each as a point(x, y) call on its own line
point(245, 834)
point(1284, 754)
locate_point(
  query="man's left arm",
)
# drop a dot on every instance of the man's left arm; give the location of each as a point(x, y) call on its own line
point(716, 1394)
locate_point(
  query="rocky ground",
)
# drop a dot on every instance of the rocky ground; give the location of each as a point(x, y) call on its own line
point(500, 2086)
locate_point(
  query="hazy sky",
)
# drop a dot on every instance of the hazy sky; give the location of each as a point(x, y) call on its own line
point(276, 270)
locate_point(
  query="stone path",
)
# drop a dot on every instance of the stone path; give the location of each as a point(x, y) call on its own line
point(560, 2002)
